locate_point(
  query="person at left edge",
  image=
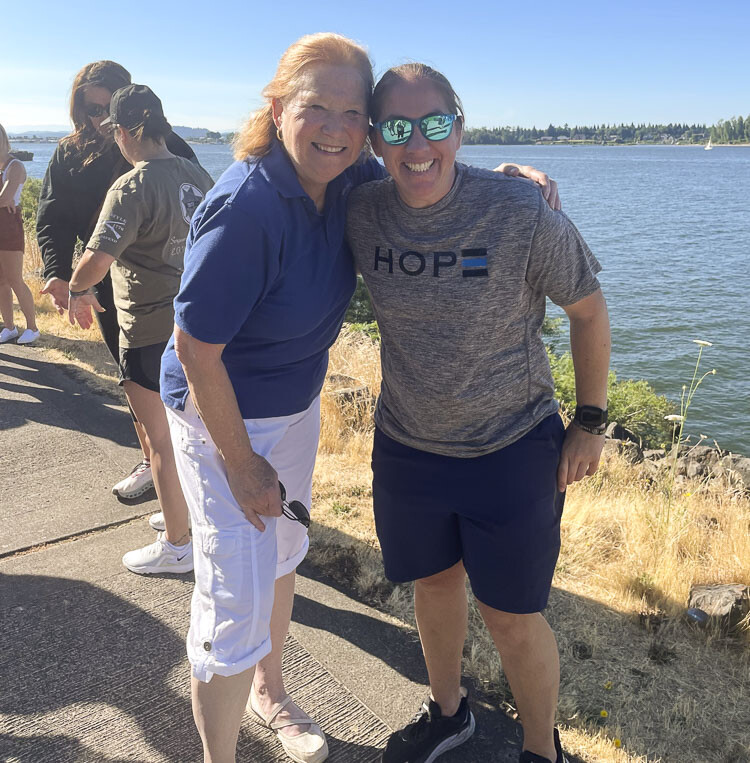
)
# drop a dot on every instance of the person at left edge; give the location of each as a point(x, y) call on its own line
point(12, 178)
point(83, 167)
point(141, 236)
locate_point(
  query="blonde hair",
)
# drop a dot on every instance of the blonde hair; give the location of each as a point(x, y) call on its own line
point(4, 142)
point(257, 136)
point(413, 72)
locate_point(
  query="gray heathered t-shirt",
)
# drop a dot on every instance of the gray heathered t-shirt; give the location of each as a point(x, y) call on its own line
point(459, 293)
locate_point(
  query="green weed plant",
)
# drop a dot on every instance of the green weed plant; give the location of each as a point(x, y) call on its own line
point(677, 422)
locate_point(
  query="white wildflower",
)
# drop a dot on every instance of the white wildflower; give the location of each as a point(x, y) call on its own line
point(703, 343)
point(674, 417)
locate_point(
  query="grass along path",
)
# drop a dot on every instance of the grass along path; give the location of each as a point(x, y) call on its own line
point(638, 683)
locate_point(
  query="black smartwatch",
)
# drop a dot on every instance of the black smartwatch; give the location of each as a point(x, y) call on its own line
point(591, 419)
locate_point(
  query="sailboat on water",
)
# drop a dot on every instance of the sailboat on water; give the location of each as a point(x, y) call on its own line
point(708, 145)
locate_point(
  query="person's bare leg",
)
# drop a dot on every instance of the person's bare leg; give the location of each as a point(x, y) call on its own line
point(268, 681)
point(441, 608)
point(531, 663)
point(218, 707)
point(6, 303)
point(12, 264)
point(6, 300)
point(143, 440)
point(149, 409)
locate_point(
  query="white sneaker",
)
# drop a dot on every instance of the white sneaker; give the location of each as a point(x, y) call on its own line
point(157, 521)
point(136, 483)
point(27, 337)
point(160, 556)
point(7, 334)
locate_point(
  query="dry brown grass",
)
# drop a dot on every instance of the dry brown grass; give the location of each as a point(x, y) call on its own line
point(83, 348)
point(671, 692)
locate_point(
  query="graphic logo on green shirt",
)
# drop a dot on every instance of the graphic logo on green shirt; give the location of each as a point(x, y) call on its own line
point(190, 198)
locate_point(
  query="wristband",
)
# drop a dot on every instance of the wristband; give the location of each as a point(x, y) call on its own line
point(601, 429)
point(72, 293)
point(591, 419)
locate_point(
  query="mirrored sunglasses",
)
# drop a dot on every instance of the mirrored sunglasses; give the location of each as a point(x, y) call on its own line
point(398, 130)
point(95, 110)
point(295, 510)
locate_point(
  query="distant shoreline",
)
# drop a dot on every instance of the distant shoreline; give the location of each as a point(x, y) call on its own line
point(536, 143)
point(591, 143)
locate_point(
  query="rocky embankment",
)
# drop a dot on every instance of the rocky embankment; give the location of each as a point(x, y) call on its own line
point(724, 606)
point(701, 463)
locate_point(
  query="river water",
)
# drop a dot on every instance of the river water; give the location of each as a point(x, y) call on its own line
point(671, 227)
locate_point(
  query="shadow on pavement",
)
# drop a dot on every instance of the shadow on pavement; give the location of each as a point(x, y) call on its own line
point(498, 737)
point(67, 643)
point(70, 642)
point(60, 397)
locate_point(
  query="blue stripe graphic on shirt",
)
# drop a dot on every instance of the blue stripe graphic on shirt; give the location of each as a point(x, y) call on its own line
point(474, 262)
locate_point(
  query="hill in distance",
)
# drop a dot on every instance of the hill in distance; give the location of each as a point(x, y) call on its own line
point(187, 133)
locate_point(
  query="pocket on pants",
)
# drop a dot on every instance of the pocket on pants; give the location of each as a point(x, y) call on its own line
point(217, 544)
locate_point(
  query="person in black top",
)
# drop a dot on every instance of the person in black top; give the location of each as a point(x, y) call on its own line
point(83, 167)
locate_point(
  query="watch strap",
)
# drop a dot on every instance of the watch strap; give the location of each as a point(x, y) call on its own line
point(600, 429)
point(591, 419)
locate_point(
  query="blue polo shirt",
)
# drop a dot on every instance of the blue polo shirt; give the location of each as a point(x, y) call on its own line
point(270, 277)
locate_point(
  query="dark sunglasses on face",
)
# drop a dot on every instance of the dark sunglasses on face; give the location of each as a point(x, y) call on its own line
point(95, 110)
point(295, 510)
point(397, 130)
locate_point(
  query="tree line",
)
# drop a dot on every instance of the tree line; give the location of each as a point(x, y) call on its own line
point(734, 130)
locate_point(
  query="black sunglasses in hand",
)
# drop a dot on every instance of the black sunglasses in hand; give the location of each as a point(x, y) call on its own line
point(295, 510)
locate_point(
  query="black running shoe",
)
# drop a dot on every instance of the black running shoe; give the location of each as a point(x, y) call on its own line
point(532, 757)
point(428, 735)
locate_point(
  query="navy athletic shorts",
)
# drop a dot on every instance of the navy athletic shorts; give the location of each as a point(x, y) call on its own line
point(142, 365)
point(498, 513)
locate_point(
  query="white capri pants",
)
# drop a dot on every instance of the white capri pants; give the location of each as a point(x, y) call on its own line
point(236, 566)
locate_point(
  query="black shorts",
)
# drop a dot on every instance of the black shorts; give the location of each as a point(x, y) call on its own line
point(142, 365)
point(498, 513)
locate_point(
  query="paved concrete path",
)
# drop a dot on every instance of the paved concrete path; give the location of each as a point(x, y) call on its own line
point(92, 664)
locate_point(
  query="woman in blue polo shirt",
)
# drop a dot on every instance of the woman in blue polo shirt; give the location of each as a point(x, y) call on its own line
point(267, 281)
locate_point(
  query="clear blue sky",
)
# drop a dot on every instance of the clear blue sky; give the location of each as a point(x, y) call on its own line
point(512, 63)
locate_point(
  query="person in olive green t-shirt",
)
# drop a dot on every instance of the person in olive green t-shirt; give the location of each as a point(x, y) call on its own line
point(140, 235)
point(144, 225)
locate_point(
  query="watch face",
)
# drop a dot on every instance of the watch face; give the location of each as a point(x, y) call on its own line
point(590, 416)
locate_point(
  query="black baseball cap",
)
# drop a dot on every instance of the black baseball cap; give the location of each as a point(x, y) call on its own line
point(129, 105)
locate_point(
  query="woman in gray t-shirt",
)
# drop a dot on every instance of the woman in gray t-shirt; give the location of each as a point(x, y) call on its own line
point(471, 459)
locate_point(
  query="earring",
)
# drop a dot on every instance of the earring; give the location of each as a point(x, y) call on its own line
point(278, 135)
